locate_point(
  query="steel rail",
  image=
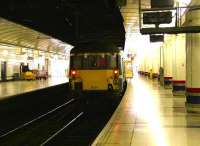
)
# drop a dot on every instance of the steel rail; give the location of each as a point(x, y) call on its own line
point(41, 116)
point(59, 131)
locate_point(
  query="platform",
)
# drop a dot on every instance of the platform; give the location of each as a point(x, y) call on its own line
point(11, 88)
point(149, 115)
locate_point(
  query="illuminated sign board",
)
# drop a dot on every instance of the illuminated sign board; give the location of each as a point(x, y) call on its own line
point(157, 17)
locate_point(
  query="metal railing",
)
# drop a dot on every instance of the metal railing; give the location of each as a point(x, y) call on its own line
point(178, 24)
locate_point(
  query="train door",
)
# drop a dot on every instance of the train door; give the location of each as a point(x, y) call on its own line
point(121, 72)
point(3, 70)
point(128, 69)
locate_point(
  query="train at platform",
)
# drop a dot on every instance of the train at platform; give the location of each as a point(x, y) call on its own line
point(97, 70)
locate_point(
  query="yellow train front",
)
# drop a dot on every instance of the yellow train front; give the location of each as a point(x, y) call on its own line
point(93, 71)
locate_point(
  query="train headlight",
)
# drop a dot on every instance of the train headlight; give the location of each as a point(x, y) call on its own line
point(116, 73)
point(73, 73)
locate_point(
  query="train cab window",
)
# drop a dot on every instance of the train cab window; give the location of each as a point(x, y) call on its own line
point(76, 61)
point(112, 62)
point(94, 61)
point(101, 62)
point(85, 62)
point(91, 62)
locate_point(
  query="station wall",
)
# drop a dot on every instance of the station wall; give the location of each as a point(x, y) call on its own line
point(11, 58)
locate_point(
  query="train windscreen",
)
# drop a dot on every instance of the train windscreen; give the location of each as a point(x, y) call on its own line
point(102, 61)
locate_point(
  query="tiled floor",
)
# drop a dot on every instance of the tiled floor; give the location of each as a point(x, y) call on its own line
point(149, 115)
point(16, 87)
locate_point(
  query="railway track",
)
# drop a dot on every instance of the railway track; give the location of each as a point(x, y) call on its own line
point(41, 128)
point(74, 123)
point(36, 119)
point(83, 132)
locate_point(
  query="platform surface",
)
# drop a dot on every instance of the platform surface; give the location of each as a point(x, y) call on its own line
point(149, 115)
point(11, 88)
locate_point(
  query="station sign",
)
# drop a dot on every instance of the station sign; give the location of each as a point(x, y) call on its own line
point(157, 17)
point(156, 38)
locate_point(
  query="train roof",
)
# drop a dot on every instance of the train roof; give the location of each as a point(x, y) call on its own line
point(95, 48)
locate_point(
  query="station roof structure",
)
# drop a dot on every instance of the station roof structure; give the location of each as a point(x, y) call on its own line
point(15, 35)
point(72, 21)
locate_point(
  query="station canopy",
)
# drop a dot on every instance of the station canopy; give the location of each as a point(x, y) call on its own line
point(12, 34)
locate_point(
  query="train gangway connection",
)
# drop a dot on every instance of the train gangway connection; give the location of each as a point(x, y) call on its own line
point(149, 115)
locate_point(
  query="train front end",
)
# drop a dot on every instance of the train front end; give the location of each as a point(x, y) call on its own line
point(96, 73)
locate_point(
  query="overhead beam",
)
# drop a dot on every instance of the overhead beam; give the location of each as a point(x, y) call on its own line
point(170, 30)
